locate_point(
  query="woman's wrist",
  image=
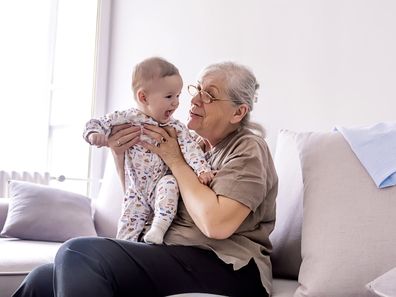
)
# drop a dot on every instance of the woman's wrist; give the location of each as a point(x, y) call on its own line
point(177, 164)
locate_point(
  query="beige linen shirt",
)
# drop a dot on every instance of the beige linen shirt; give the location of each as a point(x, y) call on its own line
point(246, 173)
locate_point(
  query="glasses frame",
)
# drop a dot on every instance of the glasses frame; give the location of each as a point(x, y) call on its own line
point(203, 95)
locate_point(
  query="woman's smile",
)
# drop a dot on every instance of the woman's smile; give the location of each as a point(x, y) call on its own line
point(193, 113)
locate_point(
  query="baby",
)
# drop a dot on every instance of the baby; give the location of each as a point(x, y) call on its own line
point(150, 189)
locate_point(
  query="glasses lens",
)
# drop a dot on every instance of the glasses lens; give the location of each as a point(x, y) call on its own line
point(192, 90)
point(205, 96)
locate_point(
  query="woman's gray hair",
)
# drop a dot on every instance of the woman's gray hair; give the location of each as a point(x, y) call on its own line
point(241, 86)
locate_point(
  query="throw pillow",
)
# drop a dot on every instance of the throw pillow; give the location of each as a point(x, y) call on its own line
point(286, 237)
point(348, 232)
point(38, 212)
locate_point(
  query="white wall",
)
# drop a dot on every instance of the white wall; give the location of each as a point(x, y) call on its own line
point(320, 63)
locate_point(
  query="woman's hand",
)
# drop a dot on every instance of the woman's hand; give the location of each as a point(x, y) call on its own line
point(122, 137)
point(168, 147)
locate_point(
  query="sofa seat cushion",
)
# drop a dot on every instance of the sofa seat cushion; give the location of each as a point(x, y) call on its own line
point(18, 257)
point(21, 256)
point(280, 288)
point(283, 287)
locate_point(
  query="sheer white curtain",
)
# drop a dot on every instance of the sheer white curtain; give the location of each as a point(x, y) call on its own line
point(24, 89)
point(47, 58)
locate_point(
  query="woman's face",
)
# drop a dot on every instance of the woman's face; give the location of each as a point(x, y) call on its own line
point(211, 120)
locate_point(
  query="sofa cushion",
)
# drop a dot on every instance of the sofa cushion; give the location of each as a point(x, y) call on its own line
point(283, 287)
point(40, 212)
point(348, 234)
point(286, 237)
point(384, 285)
point(19, 257)
point(280, 288)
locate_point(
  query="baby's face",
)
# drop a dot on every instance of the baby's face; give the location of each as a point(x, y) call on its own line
point(163, 98)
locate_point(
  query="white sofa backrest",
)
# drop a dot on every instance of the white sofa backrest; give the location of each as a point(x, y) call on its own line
point(3, 211)
point(107, 207)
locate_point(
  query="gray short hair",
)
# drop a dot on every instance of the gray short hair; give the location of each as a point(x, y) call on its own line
point(241, 87)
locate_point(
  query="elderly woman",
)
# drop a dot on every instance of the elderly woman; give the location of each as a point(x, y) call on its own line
point(218, 242)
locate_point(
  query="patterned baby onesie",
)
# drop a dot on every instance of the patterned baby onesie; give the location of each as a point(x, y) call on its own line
point(150, 188)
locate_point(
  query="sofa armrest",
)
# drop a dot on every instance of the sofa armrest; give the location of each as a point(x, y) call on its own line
point(3, 211)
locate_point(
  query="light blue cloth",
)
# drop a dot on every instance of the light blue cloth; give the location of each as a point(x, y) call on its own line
point(375, 147)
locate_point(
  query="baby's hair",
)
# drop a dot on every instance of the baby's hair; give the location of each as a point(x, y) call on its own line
point(150, 69)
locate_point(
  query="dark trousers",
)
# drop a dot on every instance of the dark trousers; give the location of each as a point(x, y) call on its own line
point(101, 267)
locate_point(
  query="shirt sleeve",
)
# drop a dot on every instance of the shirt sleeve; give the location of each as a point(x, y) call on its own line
point(246, 173)
point(103, 125)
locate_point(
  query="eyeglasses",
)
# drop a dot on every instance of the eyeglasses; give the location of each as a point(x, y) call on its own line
point(203, 95)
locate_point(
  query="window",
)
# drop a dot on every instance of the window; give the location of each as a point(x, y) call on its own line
point(47, 86)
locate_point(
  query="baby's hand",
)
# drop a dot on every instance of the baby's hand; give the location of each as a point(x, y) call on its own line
point(97, 139)
point(206, 177)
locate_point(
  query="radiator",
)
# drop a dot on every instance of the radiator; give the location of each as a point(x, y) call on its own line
point(35, 177)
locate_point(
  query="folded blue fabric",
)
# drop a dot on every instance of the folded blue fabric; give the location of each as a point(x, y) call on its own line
point(375, 147)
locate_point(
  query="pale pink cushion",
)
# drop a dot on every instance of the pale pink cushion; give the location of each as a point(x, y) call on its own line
point(39, 212)
point(349, 234)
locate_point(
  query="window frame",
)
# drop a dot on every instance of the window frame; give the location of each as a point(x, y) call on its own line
point(97, 157)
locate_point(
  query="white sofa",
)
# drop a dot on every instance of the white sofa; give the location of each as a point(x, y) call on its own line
point(335, 231)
